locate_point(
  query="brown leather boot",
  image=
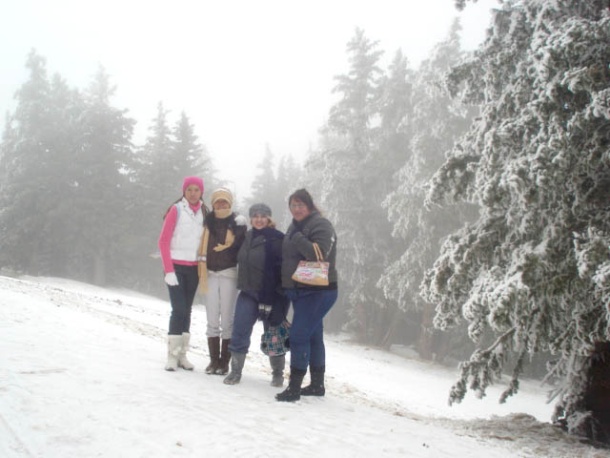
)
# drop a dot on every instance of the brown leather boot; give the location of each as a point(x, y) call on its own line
point(225, 357)
point(214, 349)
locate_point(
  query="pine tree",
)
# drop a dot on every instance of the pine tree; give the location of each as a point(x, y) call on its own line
point(424, 123)
point(532, 273)
point(272, 185)
point(190, 156)
point(159, 173)
point(66, 107)
point(264, 182)
point(354, 176)
point(64, 164)
point(167, 156)
point(289, 178)
point(36, 149)
point(102, 187)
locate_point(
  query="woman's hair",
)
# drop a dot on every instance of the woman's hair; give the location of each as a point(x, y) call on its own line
point(204, 208)
point(270, 224)
point(303, 196)
point(170, 207)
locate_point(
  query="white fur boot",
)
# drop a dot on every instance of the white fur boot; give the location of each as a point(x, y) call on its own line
point(182, 361)
point(174, 346)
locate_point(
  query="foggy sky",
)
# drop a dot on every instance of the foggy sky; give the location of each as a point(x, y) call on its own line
point(247, 73)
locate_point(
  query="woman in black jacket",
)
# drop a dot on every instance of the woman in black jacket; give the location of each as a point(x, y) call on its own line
point(259, 282)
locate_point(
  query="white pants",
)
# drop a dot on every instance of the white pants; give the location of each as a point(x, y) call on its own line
point(220, 302)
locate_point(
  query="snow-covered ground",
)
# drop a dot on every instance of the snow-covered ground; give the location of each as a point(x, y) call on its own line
point(81, 375)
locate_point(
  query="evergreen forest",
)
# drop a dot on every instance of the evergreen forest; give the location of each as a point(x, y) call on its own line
point(470, 195)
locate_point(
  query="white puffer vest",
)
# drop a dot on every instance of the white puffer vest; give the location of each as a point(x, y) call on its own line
point(187, 233)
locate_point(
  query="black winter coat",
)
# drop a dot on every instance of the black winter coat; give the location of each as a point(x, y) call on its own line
point(259, 265)
point(221, 260)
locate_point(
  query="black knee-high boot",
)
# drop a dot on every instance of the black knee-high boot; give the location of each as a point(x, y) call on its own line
point(293, 392)
point(316, 387)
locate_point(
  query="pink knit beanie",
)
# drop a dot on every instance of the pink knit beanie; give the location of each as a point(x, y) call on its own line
point(192, 180)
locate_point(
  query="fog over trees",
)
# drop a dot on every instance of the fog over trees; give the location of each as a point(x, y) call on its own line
point(470, 196)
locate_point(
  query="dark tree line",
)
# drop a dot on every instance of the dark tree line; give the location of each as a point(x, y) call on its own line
point(77, 198)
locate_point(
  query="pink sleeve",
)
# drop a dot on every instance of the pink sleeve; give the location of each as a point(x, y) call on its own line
point(166, 237)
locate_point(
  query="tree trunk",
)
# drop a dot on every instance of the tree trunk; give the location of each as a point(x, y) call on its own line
point(426, 334)
point(597, 396)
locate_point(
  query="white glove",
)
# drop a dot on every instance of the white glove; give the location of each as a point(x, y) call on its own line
point(171, 279)
point(241, 220)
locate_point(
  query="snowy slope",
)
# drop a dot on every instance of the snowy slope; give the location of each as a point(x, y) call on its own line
point(81, 374)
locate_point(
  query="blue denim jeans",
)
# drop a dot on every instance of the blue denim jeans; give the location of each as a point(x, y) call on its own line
point(181, 297)
point(307, 330)
point(246, 314)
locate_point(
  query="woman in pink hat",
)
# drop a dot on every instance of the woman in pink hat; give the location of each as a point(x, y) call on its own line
point(178, 244)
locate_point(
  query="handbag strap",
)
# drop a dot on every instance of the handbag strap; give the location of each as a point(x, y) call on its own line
point(318, 251)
